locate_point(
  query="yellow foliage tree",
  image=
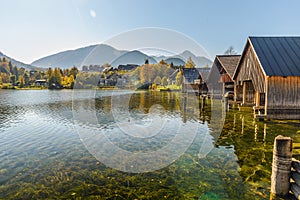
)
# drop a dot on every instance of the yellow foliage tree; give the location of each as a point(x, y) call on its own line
point(190, 63)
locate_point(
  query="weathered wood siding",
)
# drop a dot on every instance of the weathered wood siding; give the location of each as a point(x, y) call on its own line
point(250, 70)
point(238, 92)
point(248, 92)
point(283, 97)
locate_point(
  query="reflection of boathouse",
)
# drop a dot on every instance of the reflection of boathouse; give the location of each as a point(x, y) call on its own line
point(268, 76)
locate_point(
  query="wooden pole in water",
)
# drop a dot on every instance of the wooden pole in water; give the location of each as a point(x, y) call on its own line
point(226, 105)
point(281, 166)
point(203, 102)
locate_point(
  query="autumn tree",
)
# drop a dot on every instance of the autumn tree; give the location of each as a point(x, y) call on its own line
point(13, 79)
point(49, 73)
point(54, 77)
point(178, 79)
point(5, 77)
point(22, 81)
point(57, 76)
point(164, 81)
point(190, 63)
point(26, 78)
point(157, 80)
point(162, 62)
point(73, 71)
point(147, 73)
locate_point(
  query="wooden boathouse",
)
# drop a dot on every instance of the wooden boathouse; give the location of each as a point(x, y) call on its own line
point(220, 78)
point(268, 77)
point(193, 81)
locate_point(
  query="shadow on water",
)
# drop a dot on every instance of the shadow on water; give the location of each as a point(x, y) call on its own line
point(42, 156)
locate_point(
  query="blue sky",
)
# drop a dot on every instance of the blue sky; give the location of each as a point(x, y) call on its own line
point(35, 28)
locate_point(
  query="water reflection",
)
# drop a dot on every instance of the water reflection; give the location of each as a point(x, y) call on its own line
point(41, 155)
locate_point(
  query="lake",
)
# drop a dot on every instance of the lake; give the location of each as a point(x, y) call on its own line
point(132, 145)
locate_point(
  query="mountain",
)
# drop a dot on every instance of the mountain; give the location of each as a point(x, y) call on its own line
point(159, 58)
point(17, 63)
point(102, 53)
point(180, 59)
point(200, 61)
point(91, 55)
point(132, 57)
point(175, 61)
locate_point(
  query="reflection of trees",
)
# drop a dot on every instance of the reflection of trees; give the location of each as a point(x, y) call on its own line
point(144, 100)
point(8, 113)
point(251, 146)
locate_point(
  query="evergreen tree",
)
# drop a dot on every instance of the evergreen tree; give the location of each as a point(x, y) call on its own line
point(13, 79)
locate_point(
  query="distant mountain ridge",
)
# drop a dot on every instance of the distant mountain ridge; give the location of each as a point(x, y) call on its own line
point(17, 63)
point(89, 55)
point(102, 53)
point(132, 57)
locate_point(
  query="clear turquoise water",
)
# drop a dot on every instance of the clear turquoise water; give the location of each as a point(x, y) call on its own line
point(42, 155)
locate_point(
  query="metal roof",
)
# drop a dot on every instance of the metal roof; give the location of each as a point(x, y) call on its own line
point(190, 74)
point(204, 71)
point(279, 56)
point(229, 62)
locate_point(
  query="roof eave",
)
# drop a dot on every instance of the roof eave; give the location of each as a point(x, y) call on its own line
point(224, 65)
point(243, 55)
point(263, 70)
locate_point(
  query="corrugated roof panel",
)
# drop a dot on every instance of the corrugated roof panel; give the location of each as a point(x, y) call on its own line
point(262, 56)
point(292, 57)
point(293, 43)
point(279, 56)
point(276, 52)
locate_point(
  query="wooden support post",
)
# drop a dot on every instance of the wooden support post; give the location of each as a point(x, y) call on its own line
point(184, 103)
point(203, 102)
point(226, 105)
point(244, 93)
point(281, 166)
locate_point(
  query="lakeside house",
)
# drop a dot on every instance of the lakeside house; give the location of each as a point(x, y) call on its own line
point(172, 76)
point(193, 81)
point(41, 82)
point(268, 77)
point(127, 67)
point(220, 78)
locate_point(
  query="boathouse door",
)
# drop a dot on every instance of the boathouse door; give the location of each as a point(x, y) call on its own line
point(248, 92)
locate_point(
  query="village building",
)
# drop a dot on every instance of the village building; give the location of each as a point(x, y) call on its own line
point(41, 82)
point(127, 67)
point(193, 81)
point(172, 76)
point(220, 78)
point(268, 77)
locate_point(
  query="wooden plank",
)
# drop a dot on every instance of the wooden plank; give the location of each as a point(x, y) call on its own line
point(296, 190)
point(296, 177)
point(296, 165)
